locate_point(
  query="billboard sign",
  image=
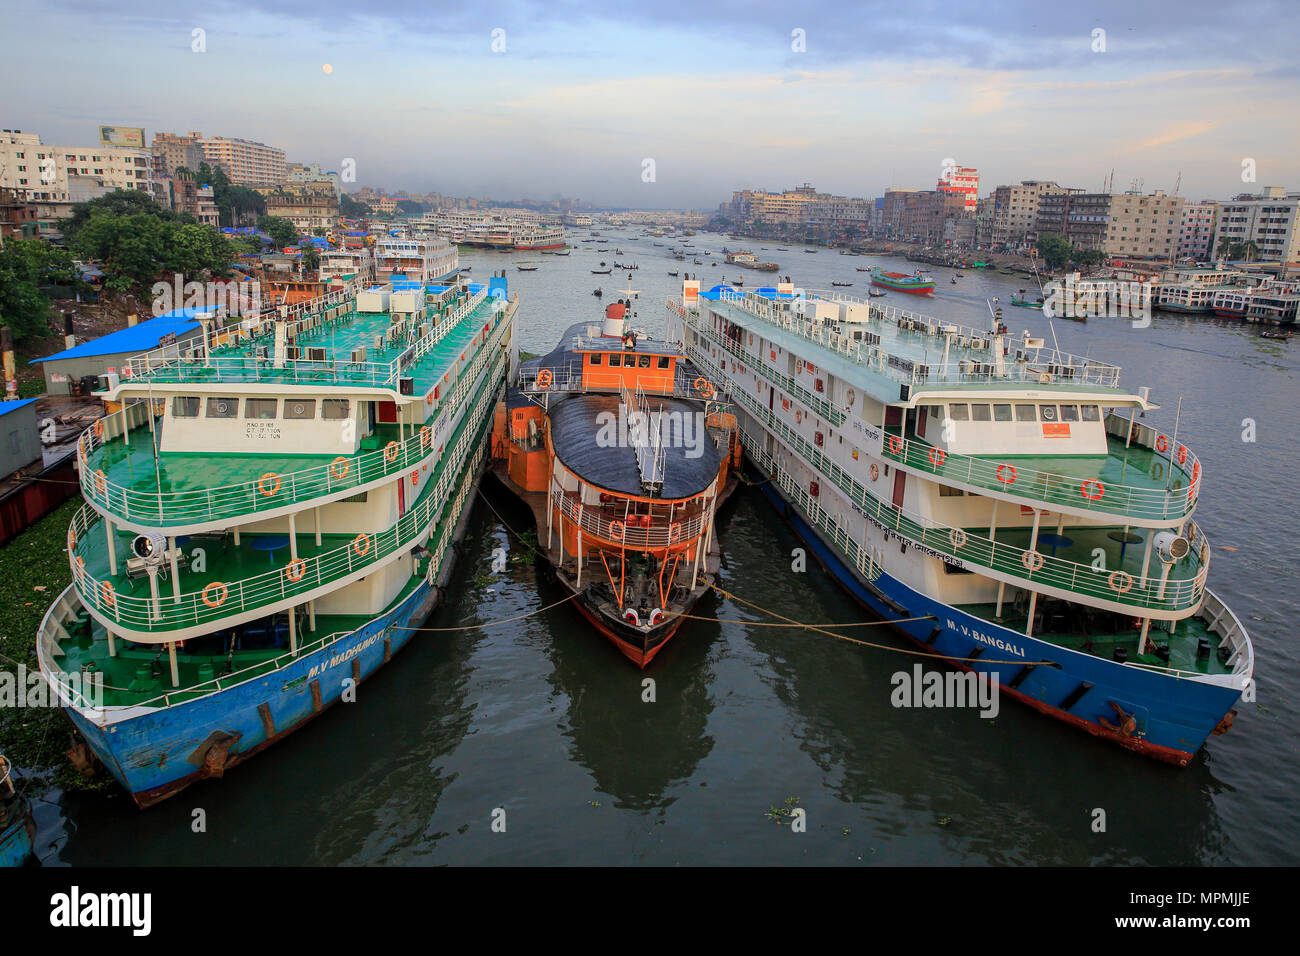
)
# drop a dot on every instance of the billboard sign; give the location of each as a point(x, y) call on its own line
point(122, 136)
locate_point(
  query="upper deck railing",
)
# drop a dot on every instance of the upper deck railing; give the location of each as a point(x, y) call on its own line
point(266, 491)
point(1024, 365)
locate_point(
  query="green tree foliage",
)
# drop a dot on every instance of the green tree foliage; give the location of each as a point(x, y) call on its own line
point(27, 267)
point(120, 202)
point(236, 205)
point(350, 208)
point(1055, 250)
point(409, 207)
point(282, 232)
point(310, 260)
point(136, 250)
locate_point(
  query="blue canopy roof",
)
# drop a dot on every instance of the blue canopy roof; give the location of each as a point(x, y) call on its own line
point(7, 407)
point(137, 338)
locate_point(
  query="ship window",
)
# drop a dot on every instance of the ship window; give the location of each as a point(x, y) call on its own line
point(260, 407)
point(1026, 413)
point(953, 569)
point(663, 361)
point(934, 411)
point(1069, 413)
point(946, 491)
point(184, 406)
point(1049, 413)
point(1091, 413)
point(355, 498)
point(629, 360)
point(1002, 413)
point(300, 408)
point(596, 357)
point(644, 361)
point(959, 413)
point(335, 408)
point(980, 413)
point(222, 407)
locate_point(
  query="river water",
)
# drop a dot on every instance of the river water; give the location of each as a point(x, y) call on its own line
point(545, 721)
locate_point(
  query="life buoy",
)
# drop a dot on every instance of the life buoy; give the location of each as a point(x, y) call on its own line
point(269, 484)
point(72, 541)
point(107, 594)
point(101, 482)
point(958, 537)
point(544, 378)
point(391, 450)
point(1162, 443)
point(336, 471)
point(1121, 581)
point(1182, 454)
point(895, 444)
point(295, 569)
point(798, 415)
point(1032, 560)
point(215, 588)
point(674, 532)
point(1196, 471)
point(1092, 489)
point(1007, 474)
point(426, 436)
point(415, 477)
point(937, 456)
point(875, 471)
point(99, 428)
point(703, 387)
point(361, 544)
point(616, 530)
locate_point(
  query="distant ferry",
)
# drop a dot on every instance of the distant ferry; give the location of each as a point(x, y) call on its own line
point(981, 492)
point(899, 282)
point(416, 260)
point(620, 447)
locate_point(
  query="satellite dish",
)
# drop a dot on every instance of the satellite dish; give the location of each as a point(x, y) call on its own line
point(151, 547)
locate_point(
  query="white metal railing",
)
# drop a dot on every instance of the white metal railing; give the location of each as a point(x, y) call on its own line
point(629, 530)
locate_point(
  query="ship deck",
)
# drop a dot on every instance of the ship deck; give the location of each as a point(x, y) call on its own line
point(140, 673)
point(1063, 631)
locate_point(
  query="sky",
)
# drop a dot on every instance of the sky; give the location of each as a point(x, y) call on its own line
point(676, 104)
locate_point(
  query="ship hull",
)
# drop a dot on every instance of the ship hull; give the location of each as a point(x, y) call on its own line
point(631, 642)
point(535, 248)
point(909, 289)
point(1175, 716)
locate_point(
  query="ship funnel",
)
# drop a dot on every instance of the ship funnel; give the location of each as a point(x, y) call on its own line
point(614, 313)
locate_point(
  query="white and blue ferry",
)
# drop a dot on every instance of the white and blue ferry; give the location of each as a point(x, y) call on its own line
point(1002, 500)
point(271, 512)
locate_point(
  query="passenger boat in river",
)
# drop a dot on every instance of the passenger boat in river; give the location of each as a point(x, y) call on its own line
point(619, 446)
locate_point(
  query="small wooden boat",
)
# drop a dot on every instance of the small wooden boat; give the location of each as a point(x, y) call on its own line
point(842, 283)
point(673, 274)
point(1275, 334)
point(876, 293)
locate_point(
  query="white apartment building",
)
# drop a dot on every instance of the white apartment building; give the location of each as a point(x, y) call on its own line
point(1196, 238)
point(1015, 210)
point(246, 162)
point(44, 173)
point(1269, 219)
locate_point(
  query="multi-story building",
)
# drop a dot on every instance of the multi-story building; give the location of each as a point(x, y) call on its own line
point(308, 205)
point(1125, 224)
point(1268, 219)
point(1196, 238)
point(1016, 212)
point(924, 213)
point(172, 152)
point(246, 162)
point(891, 210)
point(298, 173)
point(189, 195)
point(55, 177)
point(964, 180)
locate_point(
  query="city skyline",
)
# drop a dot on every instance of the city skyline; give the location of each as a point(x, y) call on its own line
point(575, 104)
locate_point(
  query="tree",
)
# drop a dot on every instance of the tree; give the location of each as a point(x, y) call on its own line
point(1055, 250)
point(350, 208)
point(120, 202)
point(310, 260)
point(410, 207)
point(27, 267)
point(135, 250)
point(236, 205)
point(282, 232)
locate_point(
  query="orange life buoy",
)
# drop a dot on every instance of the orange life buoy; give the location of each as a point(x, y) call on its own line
point(616, 529)
point(361, 544)
point(101, 482)
point(426, 436)
point(958, 537)
point(270, 481)
point(391, 450)
point(99, 428)
point(216, 587)
point(1182, 454)
point(895, 444)
point(1032, 560)
point(544, 378)
point(798, 415)
point(875, 471)
point(295, 569)
point(703, 387)
point(1007, 474)
point(674, 532)
point(1092, 489)
point(1162, 443)
point(937, 456)
point(415, 477)
point(334, 467)
point(107, 594)
point(1121, 581)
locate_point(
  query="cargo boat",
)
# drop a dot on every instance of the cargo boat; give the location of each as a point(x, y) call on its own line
point(986, 504)
point(270, 515)
point(913, 284)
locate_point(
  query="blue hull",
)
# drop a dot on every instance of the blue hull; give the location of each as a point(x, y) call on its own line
point(16, 841)
point(1174, 716)
point(162, 751)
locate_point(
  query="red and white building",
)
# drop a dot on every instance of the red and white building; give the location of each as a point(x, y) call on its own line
point(964, 180)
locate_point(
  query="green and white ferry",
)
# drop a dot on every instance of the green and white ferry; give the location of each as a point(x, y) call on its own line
point(270, 515)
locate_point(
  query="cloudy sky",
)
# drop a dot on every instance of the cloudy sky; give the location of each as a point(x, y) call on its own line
point(571, 98)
